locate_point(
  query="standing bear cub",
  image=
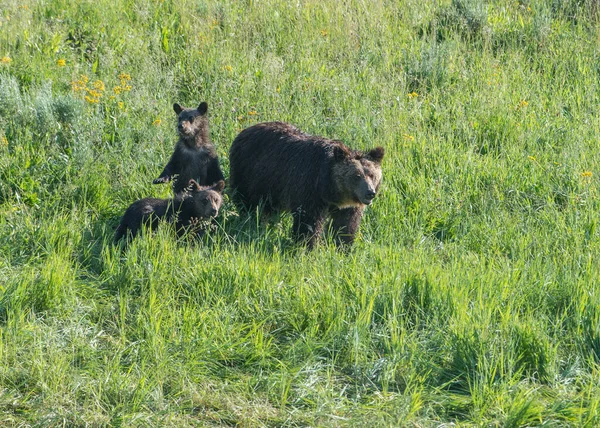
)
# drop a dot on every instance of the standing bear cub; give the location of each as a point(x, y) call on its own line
point(311, 177)
point(194, 156)
point(186, 209)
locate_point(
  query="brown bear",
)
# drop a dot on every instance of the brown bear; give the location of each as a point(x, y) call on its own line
point(186, 210)
point(311, 177)
point(194, 156)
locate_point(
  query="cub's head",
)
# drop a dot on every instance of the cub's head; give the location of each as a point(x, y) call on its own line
point(357, 175)
point(191, 121)
point(206, 200)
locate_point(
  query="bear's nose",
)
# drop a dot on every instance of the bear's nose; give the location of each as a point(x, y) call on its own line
point(213, 212)
point(370, 194)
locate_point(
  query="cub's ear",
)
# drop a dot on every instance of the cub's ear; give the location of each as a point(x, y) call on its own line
point(376, 154)
point(340, 153)
point(203, 108)
point(193, 186)
point(177, 108)
point(219, 186)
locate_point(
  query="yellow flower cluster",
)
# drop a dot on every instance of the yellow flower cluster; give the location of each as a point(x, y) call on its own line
point(228, 68)
point(80, 84)
point(61, 62)
point(587, 174)
point(124, 85)
point(92, 94)
point(413, 95)
point(409, 137)
point(5, 60)
point(156, 122)
point(522, 104)
point(94, 91)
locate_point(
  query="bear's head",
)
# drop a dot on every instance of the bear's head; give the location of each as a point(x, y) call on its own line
point(191, 121)
point(357, 175)
point(204, 201)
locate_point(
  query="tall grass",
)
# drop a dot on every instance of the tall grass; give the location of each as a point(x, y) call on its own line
point(471, 296)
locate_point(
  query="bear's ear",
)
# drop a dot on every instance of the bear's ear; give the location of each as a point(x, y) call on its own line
point(193, 186)
point(177, 108)
point(340, 153)
point(376, 154)
point(203, 108)
point(219, 186)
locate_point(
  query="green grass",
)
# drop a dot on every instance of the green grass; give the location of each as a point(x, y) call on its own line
point(470, 297)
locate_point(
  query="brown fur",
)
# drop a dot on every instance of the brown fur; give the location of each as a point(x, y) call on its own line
point(312, 177)
point(185, 210)
point(194, 157)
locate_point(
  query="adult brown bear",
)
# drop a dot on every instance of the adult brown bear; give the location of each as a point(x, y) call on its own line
point(312, 177)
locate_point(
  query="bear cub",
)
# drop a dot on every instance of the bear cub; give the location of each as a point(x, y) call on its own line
point(186, 210)
point(312, 177)
point(194, 156)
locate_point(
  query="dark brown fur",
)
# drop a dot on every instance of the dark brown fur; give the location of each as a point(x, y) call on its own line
point(185, 210)
point(311, 177)
point(194, 156)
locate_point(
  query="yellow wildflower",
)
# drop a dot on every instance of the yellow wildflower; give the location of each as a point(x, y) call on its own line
point(587, 174)
point(409, 137)
point(91, 100)
point(99, 85)
point(278, 90)
point(5, 60)
point(61, 62)
point(531, 158)
point(324, 33)
point(252, 113)
point(413, 95)
point(228, 68)
point(522, 104)
point(121, 105)
point(156, 122)
point(124, 76)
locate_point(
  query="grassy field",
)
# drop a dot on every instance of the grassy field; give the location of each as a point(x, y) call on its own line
point(470, 297)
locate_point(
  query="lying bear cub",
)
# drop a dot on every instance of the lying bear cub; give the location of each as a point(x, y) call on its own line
point(186, 210)
point(312, 177)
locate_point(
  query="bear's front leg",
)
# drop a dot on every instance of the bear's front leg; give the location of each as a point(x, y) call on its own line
point(170, 170)
point(307, 226)
point(345, 223)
